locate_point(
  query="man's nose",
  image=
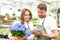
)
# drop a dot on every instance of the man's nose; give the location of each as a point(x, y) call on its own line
point(40, 13)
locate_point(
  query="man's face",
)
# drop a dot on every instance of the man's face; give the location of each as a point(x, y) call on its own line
point(41, 13)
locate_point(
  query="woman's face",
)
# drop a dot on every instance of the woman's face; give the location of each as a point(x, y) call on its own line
point(27, 16)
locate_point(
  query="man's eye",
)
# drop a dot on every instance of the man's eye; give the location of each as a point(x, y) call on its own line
point(25, 15)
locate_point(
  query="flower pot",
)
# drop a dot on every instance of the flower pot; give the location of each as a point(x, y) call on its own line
point(16, 38)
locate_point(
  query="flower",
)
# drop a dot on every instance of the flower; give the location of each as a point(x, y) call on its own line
point(19, 30)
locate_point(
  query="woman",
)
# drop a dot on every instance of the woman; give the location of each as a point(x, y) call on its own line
point(26, 16)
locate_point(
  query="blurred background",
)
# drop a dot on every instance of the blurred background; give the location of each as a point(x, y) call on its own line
point(10, 11)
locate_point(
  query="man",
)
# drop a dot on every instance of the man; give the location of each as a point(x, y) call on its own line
point(47, 22)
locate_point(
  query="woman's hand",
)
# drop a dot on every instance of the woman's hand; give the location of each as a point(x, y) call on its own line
point(13, 38)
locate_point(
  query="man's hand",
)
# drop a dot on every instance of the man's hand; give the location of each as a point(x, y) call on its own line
point(37, 33)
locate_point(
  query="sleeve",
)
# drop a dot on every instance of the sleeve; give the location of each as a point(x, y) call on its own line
point(53, 24)
point(27, 33)
point(31, 37)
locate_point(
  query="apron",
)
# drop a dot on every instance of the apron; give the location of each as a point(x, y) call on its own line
point(41, 27)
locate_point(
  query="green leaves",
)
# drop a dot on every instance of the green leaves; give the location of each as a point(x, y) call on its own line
point(17, 33)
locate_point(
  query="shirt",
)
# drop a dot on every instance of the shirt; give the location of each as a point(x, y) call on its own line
point(49, 24)
point(28, 25)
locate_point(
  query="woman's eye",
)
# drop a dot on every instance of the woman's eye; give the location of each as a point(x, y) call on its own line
point(27, 15)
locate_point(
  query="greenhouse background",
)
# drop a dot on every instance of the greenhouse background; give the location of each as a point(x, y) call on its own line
point(10, 11)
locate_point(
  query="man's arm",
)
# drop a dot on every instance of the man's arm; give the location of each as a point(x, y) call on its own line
point(53, 29)
point(53, 35)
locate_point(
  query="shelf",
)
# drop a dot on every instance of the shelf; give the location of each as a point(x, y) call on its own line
point(2, 25)
point(3, 36)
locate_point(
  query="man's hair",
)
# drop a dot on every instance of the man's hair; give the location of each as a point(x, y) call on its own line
point(42, 6)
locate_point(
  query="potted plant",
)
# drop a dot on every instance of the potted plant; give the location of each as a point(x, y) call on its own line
point(18, 31)
point(34, 21)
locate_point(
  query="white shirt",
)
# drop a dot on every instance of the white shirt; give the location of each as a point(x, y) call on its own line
point(49, 24)
point(31, 37)
point(30, 26)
